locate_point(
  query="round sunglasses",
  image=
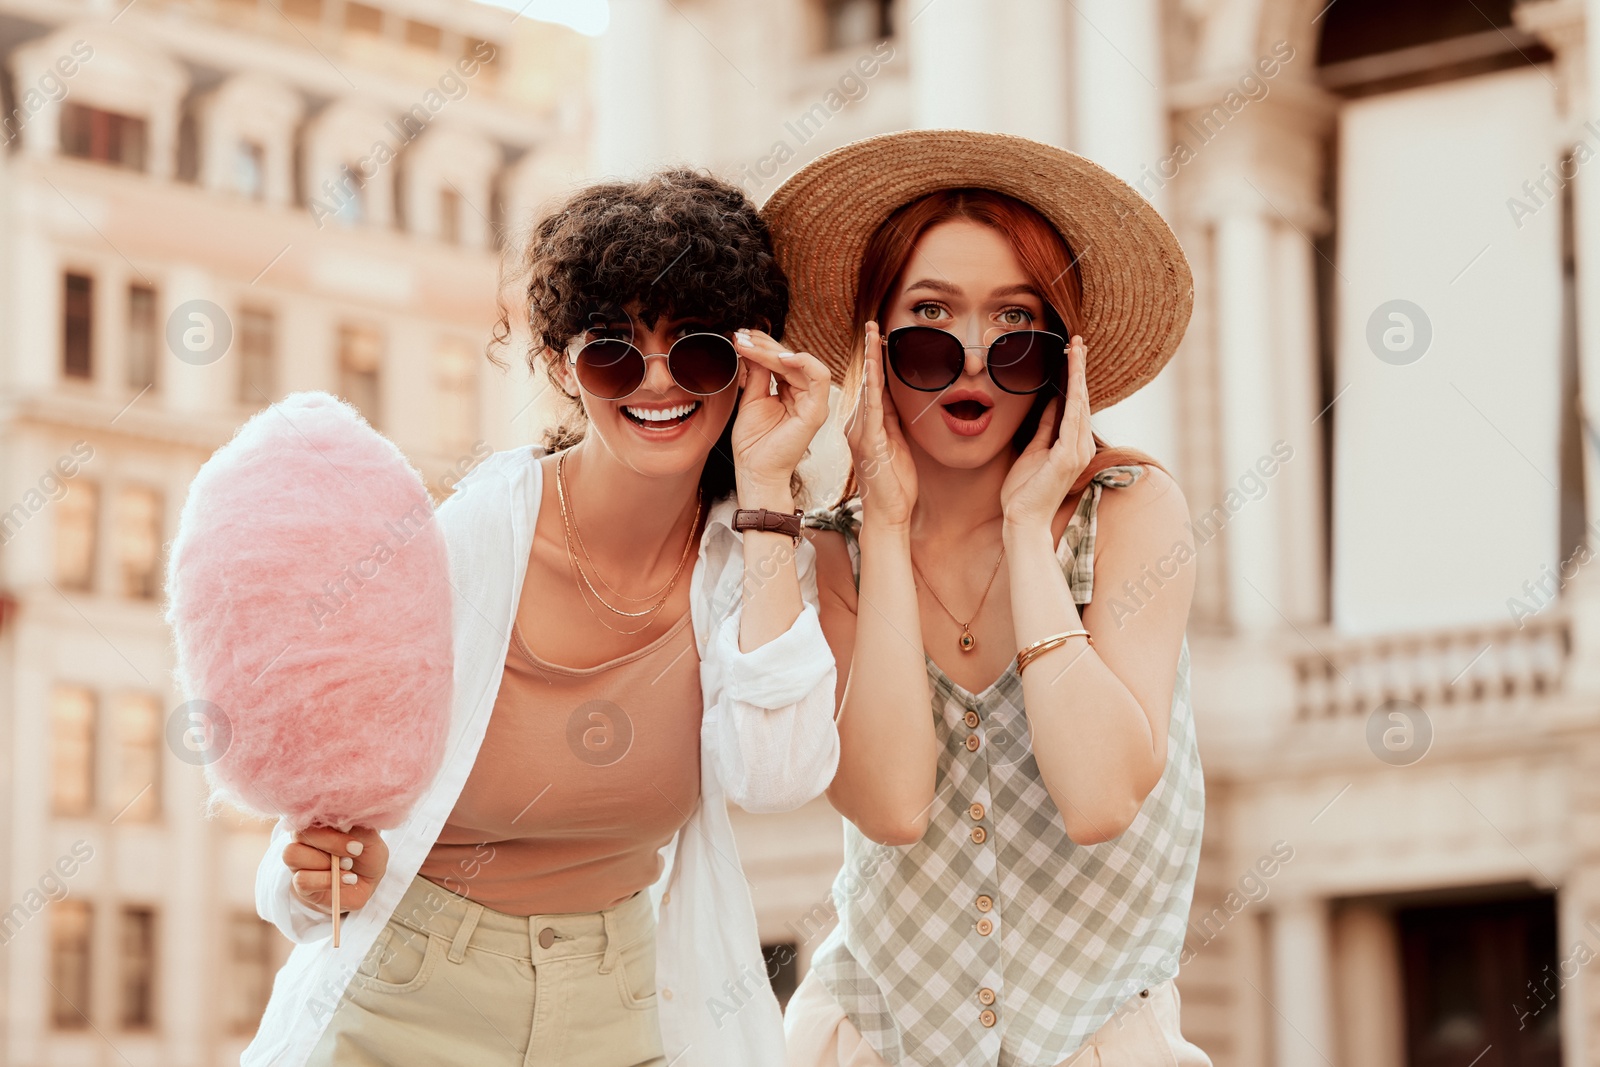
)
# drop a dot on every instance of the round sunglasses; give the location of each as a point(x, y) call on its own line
point(700, 363)
point(930, 359)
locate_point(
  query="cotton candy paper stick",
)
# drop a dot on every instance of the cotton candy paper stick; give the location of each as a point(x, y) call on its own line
point(310, 605)
point(338, 875)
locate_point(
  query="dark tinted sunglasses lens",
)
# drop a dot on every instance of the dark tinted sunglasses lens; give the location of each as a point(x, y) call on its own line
point(610, 369)
point(1026, 360)
point(925, 358)
point(703, 363)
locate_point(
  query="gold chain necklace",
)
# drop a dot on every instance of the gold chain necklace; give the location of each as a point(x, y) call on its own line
point(966, 640)
point(570, 529)
point(577, 535)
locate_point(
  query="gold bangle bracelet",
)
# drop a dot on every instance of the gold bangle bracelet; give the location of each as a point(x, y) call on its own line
point(1039, 648)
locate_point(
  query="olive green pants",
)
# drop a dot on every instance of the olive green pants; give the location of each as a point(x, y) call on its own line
point(449, 981)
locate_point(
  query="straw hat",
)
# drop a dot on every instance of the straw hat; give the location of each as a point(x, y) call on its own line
point(1137, 289)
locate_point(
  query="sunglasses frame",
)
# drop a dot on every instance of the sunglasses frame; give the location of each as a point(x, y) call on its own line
point(900, 331)
point(574, 355)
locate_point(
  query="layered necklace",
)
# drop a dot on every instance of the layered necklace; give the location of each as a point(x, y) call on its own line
point(966, 641)
point(586, 588)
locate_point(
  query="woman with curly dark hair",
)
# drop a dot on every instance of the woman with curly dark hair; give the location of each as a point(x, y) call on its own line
point(637, 643)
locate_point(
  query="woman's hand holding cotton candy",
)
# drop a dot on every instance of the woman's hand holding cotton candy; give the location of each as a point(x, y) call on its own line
point(363, 858)
point(1043, 475)
point(884, 468)
point(772, 431)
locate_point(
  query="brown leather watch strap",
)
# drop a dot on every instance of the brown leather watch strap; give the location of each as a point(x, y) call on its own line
point(768, 521)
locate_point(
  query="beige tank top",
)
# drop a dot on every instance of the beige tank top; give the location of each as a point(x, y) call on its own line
point(583, 776)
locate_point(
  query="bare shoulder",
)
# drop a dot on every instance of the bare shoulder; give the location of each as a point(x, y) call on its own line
point(1152, 509)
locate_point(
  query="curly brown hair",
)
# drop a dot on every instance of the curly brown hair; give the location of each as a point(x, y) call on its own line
point(678, 243)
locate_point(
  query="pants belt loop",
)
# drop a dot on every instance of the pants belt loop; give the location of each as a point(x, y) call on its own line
point(609, 960)
point(458, 945)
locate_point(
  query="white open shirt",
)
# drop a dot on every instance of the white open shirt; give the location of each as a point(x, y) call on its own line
point(767, 743)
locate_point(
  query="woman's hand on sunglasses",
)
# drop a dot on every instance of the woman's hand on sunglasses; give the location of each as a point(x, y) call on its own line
point(1042, 476)
point(887, 476)
point(773, 430)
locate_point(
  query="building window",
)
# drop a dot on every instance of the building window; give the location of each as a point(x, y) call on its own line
point(449, 216)
point(363, 18)
point(352, 195)
point(303, 10)
point(250, 971)
point(423, 35)
point(476, 48)
point(138, 542)
point(103, 136)
point(138, 726)
point(458, 395)
point(143, 336)
point(72, 762)
point(138, 1000)
point(257, 367)
point(853, 23)
point(250, 169)
point(360, 361)
point(77, 520)
point(77, 322)
point(71, 922)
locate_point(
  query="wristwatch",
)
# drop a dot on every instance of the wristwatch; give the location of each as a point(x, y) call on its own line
point(768, 521)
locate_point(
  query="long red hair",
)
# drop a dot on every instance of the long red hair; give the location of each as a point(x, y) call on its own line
point(1045, 259)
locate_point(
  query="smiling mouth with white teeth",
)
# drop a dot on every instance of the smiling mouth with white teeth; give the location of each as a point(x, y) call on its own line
point(661, 418)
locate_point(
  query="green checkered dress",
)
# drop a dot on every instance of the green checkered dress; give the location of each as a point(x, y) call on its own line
point(1073, 931)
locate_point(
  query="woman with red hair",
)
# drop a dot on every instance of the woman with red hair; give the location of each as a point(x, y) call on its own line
point(1019, 860)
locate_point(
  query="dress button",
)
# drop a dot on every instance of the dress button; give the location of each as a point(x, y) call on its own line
point(972, 742)
point(985, 995)
point(666, 994)
point(979, 835)
point(970, 718)
point(986, 1017)
point(976, 811)
point(666, 898)
point(985, 927)
point(547, 937)
point(985, 902)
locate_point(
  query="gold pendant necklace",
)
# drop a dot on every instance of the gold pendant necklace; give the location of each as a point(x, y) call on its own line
point(966, 641)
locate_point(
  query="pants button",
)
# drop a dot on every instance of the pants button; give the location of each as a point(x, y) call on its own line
point(547, 937)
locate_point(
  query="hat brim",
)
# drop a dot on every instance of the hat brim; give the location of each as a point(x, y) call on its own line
point(1138, 291)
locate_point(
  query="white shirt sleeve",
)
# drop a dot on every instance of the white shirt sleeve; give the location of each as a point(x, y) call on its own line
point(777, 744)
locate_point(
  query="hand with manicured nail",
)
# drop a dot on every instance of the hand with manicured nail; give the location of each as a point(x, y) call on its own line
point(884, 468)
point(773, 430)
point(1043, 475)
point(310, 857)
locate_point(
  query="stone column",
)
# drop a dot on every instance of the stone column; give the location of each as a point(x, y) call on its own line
point(1034, 72)
point(1256, 178)
point(1371, 997)
point(951, 76)
point(1303, 1022)
point(627, 89)
point(1253, 538)
point(1120, 122)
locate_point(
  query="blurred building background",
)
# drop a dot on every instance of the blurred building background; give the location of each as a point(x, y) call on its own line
point(1377, 416)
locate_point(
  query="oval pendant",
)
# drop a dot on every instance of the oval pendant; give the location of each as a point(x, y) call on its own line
point(968, 642)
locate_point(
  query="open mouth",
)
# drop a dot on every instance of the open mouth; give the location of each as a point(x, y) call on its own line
point(967, 410)
point(662, 418)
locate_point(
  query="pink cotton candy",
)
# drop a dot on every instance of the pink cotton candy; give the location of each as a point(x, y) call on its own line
point(310, 601)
